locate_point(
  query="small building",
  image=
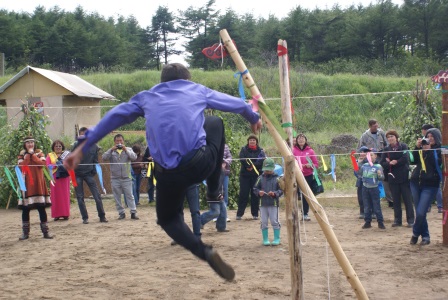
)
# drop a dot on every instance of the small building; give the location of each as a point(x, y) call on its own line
point(65, 98)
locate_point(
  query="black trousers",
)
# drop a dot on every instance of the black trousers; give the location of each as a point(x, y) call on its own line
point(246, 188)
point(402, 191)
point(173, 184)
point(26, 214)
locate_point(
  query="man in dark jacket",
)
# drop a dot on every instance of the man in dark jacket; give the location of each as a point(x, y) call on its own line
point(86, 172)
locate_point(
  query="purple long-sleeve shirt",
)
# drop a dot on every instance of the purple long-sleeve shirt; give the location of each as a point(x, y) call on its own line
point(174, 113)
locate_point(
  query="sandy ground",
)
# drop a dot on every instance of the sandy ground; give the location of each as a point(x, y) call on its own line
point(127, 259)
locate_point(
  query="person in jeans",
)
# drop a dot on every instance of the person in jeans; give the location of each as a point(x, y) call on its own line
point(371, 173)
point(217, 210)
point(86, 171)
point(192, 197)
point(186, 146)
point(137, 166)
point(120, 158)
point(425, 182)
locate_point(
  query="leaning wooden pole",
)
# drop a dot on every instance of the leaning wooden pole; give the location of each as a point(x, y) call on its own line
point(445, 161)
point(442, 78)
point(283, 66)
point(285, 151)
point(292, 224)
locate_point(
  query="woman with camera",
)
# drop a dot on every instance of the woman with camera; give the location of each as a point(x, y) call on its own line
point(425, 182)
point(60, 191)
point(32, 162)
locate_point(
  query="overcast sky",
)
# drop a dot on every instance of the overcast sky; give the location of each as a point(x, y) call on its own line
point(144, 10)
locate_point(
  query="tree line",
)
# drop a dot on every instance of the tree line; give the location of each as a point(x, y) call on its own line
point(383, 33)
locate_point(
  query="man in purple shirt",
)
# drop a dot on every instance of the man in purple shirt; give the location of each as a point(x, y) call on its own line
point(186, 146)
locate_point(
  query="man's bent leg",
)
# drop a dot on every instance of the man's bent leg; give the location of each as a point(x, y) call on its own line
point(215, 137)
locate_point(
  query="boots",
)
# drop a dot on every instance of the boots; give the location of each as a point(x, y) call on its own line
point(265, 237)
point(276, 240)
point(44, 228)
point(25, 230)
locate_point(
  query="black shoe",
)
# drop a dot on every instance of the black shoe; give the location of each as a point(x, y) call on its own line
point(122, 216)
point(414, 240)
point(134, 216)
point(381, 225)
point(103, 220)
point(85, 221)
point(397, 225)
point(366, 225)
point(390, 204)
point(223, 230)
point(425, 242)
point(218, 265)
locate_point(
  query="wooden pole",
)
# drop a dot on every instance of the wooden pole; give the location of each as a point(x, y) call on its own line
point(445, 161)
point(9, 200)
point(284, 88)
point(292, 223)
point(285, 152)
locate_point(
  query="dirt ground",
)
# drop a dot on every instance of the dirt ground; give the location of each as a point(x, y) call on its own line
point(127, 259)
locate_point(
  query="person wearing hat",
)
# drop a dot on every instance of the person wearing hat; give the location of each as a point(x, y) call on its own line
point(395, 162)
point(302, 151)
point(425, 128)
point(268, 189)
point(425, 182)
point(371, 173)
point(32, 163)
point(251, 159)
point(375, 137)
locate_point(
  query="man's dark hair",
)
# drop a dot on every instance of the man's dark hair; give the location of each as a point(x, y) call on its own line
point(82, 129)
point(174, 71)
point(118, 136)
point(427, 126)
point(372, 122)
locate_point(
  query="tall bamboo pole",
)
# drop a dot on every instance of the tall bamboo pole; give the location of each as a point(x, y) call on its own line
point(285, 151)
point(284, 88)
point(292, 224)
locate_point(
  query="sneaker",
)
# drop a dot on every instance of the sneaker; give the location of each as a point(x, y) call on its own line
point(85, 221)
point(397, 225)
point(255, 218)
point(440, 210)
point(410, 225)
point(134, 216)
point(361, 216)
point(103, 220)
point(222, 230)
point(306, 218)
point(381, 225)
point(238, 218)
point(215, 219)
point(228, 220)
point(414, 240)
point(173, 243)
point(218, 265)
point(425, 241)
point(366, 225)
point(122, 216)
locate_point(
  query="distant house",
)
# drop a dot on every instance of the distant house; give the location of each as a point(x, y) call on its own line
point(65, 98)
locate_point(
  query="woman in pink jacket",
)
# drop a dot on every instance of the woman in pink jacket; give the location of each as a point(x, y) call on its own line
point(301, 151)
